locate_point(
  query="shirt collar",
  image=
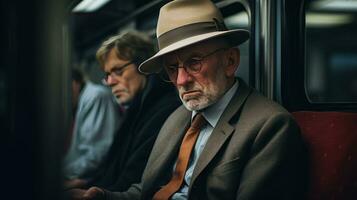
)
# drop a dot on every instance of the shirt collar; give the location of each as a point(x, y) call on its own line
point(214, 112)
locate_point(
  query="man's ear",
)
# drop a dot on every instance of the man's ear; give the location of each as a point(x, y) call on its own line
point(233, 59)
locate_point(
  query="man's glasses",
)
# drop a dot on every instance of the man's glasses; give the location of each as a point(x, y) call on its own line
point(192, 66)
point(117, 71)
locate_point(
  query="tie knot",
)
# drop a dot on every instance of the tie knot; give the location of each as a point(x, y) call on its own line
point(198, 121)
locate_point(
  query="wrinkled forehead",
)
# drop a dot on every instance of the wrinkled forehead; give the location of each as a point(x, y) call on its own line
point(193, 50)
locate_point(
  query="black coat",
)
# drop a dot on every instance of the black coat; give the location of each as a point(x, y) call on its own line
point(131, 148)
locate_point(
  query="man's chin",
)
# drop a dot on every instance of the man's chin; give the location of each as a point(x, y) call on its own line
point(126, 99)
point(122, 101)
point(118, 100)
point(194, 105)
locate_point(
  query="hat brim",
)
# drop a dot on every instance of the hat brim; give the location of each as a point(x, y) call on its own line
point(154, 64)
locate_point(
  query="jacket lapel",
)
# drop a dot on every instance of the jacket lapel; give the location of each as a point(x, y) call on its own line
point(222, 131)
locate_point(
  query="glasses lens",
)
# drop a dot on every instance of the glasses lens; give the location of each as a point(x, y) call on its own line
point(193, 65)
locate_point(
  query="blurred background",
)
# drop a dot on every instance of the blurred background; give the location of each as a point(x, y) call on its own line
point(302, 53)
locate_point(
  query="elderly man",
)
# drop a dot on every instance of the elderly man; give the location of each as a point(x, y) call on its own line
point(226, 141)
point(148, 101)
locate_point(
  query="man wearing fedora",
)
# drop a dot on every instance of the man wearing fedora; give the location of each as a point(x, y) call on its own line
point(226, 141)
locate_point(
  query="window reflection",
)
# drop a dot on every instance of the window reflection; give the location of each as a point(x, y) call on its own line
point(331, 51)
point(240, 20)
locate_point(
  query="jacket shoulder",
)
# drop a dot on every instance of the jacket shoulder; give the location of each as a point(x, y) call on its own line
point(262, 106)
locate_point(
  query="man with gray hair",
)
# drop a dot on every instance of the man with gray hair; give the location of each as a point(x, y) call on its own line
point(226, 141)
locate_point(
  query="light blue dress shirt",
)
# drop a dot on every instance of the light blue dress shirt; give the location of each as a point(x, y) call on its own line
point(212, 114)
point(96, 123)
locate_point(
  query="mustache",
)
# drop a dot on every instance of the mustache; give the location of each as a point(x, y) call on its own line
point(120, 90)
point(190, 87)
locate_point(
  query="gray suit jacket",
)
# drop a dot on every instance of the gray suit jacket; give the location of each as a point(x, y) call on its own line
point(255, 152)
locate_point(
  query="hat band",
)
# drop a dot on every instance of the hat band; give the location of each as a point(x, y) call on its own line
point(187, 31)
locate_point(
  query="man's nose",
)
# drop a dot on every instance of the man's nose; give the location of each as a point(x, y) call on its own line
point(182, 77)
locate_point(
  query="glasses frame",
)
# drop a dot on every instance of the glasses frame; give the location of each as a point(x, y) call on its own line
point(118, 71)
point(166, 77)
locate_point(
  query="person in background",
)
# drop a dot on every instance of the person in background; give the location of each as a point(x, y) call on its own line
point(97, 119)
point(226, 141)
point(149, 101)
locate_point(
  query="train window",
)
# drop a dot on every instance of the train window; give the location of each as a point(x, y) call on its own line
point(331, 51)
point(236, 17)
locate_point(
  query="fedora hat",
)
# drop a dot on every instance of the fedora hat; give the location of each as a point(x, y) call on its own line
point(186, 22)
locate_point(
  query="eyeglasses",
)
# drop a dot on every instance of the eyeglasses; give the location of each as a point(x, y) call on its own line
point(192, 66)
point(118, 71)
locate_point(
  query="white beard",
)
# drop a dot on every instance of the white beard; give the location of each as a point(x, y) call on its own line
point(210, 94)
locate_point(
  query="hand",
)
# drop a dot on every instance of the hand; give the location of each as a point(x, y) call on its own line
point(74, 183)
point(94, 193)
point(75, 194)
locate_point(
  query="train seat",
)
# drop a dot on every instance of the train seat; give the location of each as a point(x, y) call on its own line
point(332, 142)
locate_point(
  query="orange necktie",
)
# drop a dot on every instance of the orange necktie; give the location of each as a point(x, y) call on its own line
point(187, 145)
